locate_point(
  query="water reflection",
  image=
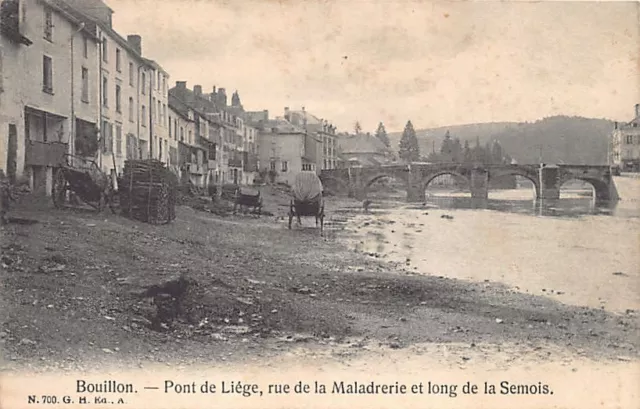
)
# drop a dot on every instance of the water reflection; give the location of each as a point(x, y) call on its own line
point(569, 207)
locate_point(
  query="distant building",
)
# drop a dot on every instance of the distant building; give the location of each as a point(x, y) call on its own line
point(362, 150)
point(625, 144)
point(322, 131)
point(284, 149)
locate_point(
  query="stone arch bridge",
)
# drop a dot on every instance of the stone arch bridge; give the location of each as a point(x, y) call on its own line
point(546, 179)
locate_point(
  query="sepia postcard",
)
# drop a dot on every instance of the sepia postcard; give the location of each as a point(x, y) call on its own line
point(319, 204)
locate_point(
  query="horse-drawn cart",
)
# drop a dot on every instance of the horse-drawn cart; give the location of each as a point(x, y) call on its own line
point(84, 178)
point(307, 199)
point(247, 200)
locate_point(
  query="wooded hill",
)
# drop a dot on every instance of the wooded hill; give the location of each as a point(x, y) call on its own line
point(572, 140)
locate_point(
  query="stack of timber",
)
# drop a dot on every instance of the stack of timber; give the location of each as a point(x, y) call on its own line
point(148, 191)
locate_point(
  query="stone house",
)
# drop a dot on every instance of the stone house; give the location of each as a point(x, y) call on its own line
point(49, 54)
point(625, 144)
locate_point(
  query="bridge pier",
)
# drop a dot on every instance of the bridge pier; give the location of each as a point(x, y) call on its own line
point(612, 189)
point(416, 194)
point(479, 183)
point(549, 183)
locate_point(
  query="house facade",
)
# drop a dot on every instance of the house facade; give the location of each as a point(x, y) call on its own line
point(284, 150)
point(320, 131)
point(625, 144)
point(128, 87)
point(49, 54)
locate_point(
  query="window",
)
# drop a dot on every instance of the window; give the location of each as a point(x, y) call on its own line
point(629, 139)
point(85, 46)
point(130, 109)
point(164, 85)
point(170, 128)
point(272, 165)
point(144, 116)
point(164, 114)
point(47, 74)
point(131, 74)
point(285, 166)
point(85, 85)
point(158, 84)
point(105, 92)
point(107, 137)
point(159, 117)
point(105, 50)
point(190, 136)
point(118, 99)
point(152, 110)
point(118, 60)
point(48, 25)
point(306, 166)
point(144, 81)
point(119, 139)
point(181, 134)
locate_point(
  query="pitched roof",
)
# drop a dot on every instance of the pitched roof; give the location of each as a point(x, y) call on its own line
point(282, 125)
point(361, 143)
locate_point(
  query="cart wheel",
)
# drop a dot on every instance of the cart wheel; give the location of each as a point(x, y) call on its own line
point(59, 189)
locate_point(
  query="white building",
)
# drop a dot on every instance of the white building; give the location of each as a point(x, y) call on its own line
point(50, 54)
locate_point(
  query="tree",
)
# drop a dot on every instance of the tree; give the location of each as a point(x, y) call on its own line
point(409, 150)
point(446, 149)
point(357, 128)
point(467, 155)
point(456, 150)
point(381, 133)
point(497, 153)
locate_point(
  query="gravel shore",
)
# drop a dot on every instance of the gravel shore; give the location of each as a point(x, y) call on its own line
point(80, 289)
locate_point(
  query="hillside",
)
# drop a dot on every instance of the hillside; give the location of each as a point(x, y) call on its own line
point(565, 139)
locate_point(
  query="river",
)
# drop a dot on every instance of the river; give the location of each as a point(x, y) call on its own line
point(572, 250)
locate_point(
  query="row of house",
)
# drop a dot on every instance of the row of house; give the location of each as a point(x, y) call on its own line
point(70, 84)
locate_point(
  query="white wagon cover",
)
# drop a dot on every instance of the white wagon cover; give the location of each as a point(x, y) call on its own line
point(307, 187)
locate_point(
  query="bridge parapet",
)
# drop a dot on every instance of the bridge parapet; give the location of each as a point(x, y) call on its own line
point(547, 179)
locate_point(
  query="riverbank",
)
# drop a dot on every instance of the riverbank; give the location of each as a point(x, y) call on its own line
point(262, 295)
point(72, 284)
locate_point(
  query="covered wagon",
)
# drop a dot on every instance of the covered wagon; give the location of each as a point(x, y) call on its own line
point(307, 198)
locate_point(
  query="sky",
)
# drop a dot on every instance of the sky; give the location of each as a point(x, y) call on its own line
point(390, 61)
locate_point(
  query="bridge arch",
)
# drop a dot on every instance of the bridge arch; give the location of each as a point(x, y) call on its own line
point(599, 187)
point(533, 178)
point(430, 177)
point(386, 175)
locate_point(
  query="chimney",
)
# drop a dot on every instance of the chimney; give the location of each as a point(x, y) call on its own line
point(287, 113)
point(637, 110)
point(222, 96)
point(197, 89)
point(181, 84)
point(135, 41)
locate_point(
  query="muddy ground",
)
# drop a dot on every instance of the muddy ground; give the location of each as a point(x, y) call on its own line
point(79, 288)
